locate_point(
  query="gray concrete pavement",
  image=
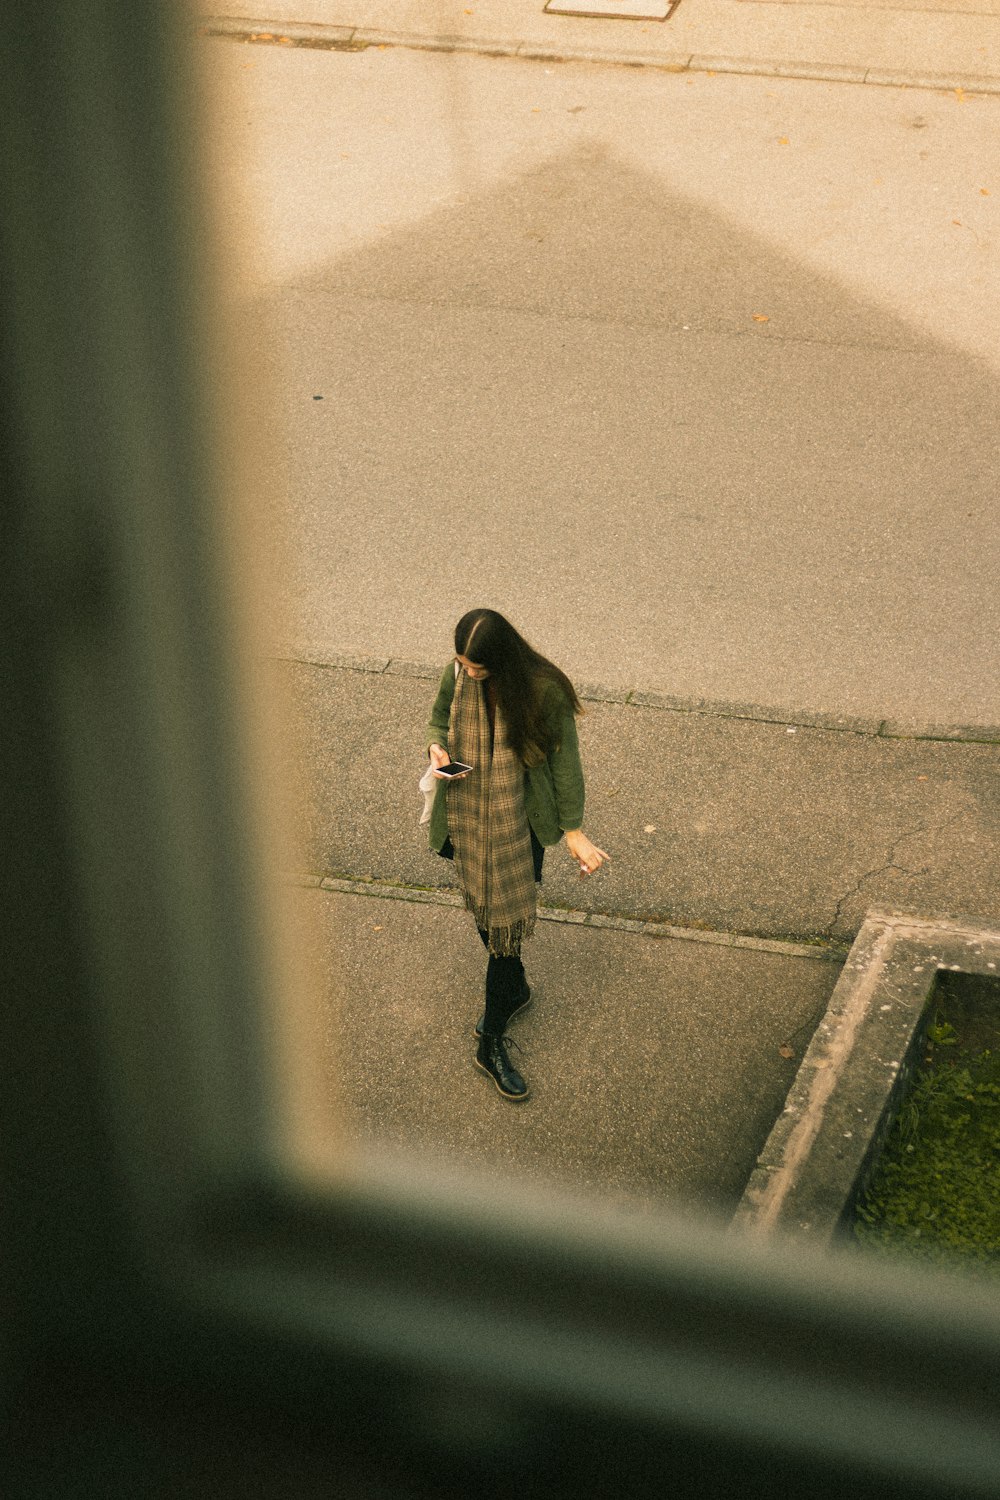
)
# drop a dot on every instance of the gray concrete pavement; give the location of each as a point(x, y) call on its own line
point(654, 1065)
point(659, 1059)
point(765, 829)
point(531, 303)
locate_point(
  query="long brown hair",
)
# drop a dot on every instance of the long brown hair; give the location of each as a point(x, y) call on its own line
point(521, 675)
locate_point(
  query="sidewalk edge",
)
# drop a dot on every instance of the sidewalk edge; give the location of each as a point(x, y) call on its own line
point(357, 39)
point(444, 896)
point(873, 728)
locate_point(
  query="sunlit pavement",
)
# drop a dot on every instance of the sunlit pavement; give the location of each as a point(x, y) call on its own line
point(948, 42)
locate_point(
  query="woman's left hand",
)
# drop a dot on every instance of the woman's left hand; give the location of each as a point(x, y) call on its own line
point(586, 854)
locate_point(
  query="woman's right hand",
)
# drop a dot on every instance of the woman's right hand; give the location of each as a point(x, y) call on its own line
point(440, 757)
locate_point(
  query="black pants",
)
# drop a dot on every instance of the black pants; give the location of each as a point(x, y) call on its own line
point(504, 988)
point(504, 976)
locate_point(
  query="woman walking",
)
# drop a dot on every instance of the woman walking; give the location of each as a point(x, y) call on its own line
point(509, 714)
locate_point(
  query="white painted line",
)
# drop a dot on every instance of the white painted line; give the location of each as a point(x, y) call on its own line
point(632, 10)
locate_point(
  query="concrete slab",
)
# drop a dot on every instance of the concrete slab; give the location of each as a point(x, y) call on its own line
point(654, 1065)
point(764, 829)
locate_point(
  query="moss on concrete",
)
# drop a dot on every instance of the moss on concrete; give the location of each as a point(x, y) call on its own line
point(934, 1194)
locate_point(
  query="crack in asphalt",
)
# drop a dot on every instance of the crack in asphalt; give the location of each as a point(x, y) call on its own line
point(890, 864)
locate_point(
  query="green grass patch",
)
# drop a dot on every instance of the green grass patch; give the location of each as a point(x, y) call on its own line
point(935, 1193)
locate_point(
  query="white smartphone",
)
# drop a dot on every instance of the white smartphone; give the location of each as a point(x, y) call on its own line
point(453, 768)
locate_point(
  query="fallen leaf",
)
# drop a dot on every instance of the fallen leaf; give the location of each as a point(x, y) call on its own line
point(262, 36)
point(786, 1051)
point(958, 222)
point(649, 828)
point(285, 41)
point(376, 929)
point(762, 317)
point(985, 192)
point(923, 778)
point(961, 95)
point(782, 140)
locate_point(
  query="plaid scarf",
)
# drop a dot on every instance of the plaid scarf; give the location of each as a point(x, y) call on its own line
point(488, 824)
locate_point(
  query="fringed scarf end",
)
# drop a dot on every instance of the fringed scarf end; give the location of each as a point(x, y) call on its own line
point(504, 942)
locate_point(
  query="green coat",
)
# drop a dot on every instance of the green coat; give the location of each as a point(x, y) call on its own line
point(553, 790)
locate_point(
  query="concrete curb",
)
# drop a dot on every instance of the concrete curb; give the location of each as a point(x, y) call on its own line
point(420, 895)
point(827, 1140)
point(358, 39)
point(892, 729)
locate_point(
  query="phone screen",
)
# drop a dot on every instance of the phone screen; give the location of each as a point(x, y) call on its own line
point(453, 768)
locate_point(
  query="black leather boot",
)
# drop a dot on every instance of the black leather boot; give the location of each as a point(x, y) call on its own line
point(520, 1004)
point(491, 1056)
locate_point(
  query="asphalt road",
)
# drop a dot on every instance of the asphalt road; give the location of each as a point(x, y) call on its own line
point(694, 377)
